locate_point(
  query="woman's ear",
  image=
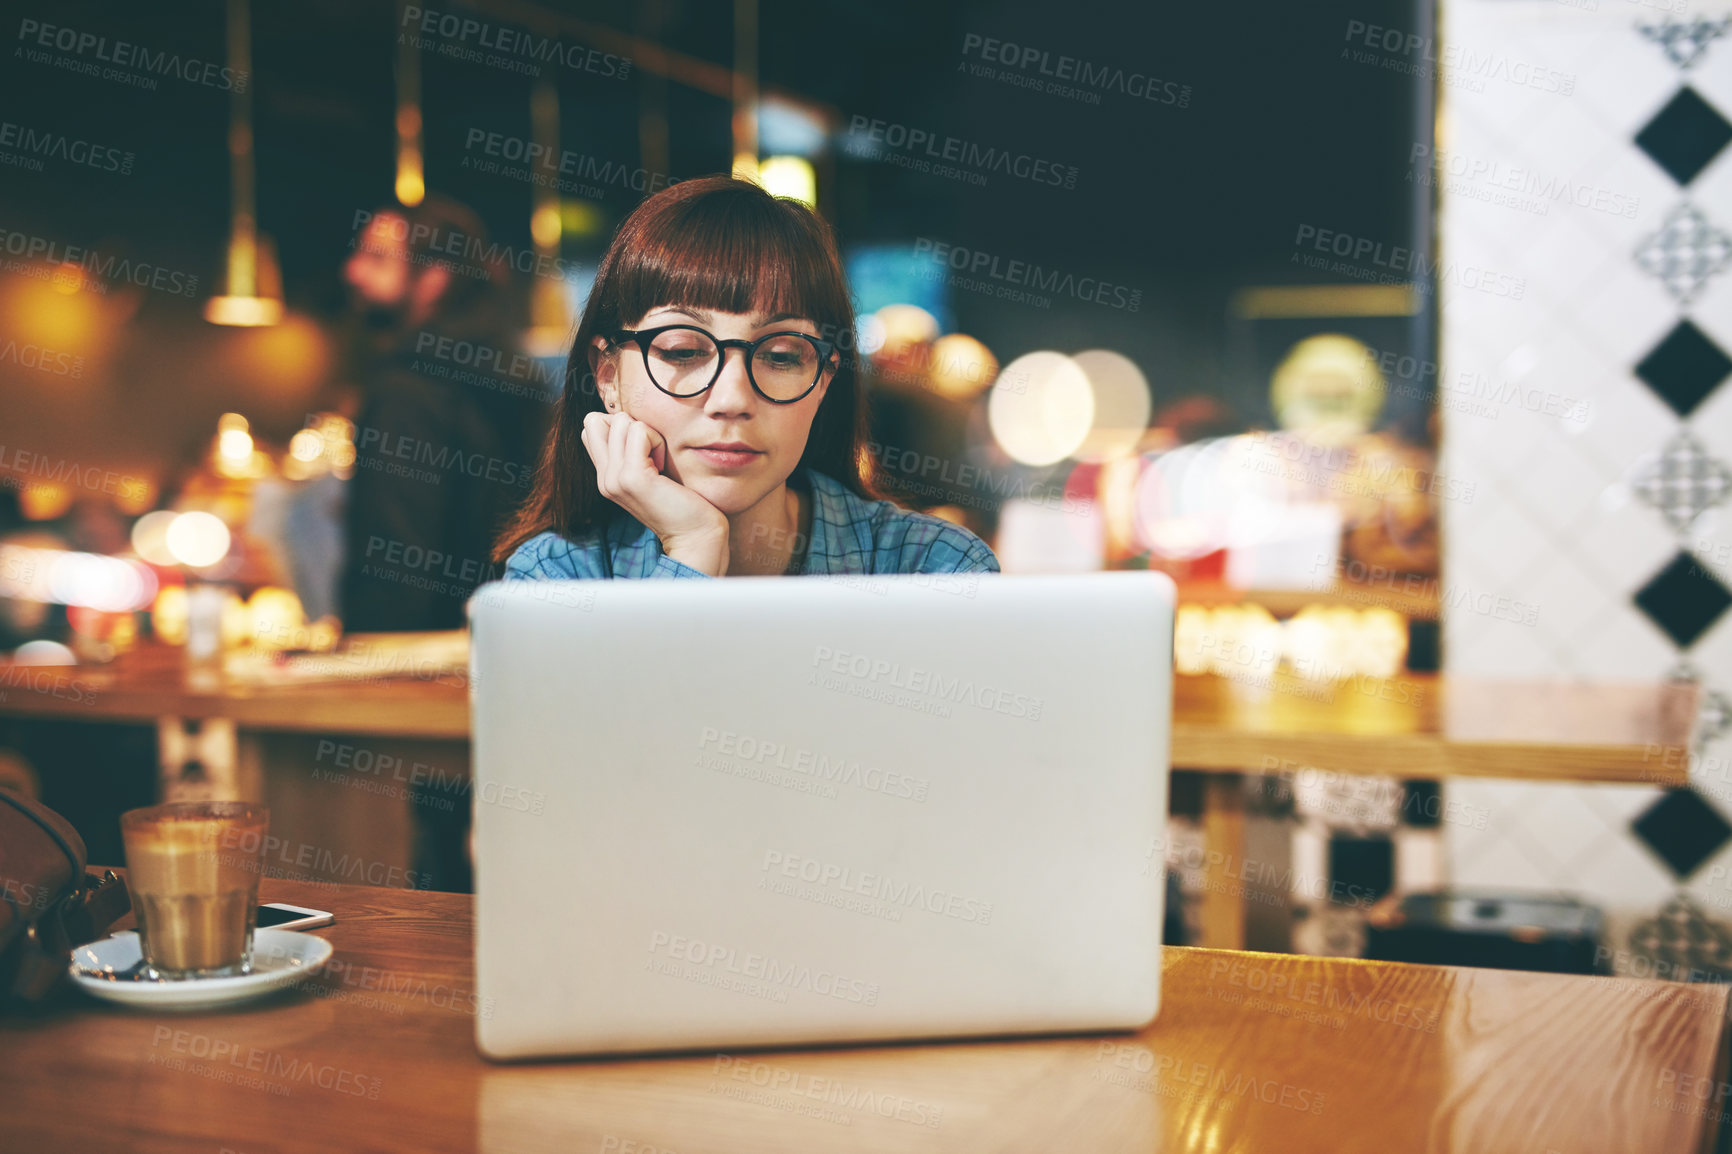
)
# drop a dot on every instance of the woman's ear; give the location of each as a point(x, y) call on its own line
point(604, 370)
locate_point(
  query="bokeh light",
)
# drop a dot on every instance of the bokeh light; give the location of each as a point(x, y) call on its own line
point(1040, 408)
point(168, 615)
point(87, 580)
point(150, 536)
point(306, 445)
point(545, 225)
point(44, 501)
point(789, 176)
point(1183, 511)
point(1328, 387)
point(197, 539)
point(961, 367)
point(44, 653)
point(905, 326)
point(235, 446)
point(1122, 404)
point(135, 495)
point(1319, 643)
point(276, 618)
point(97, 582)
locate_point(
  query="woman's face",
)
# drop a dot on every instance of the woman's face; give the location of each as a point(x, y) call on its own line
point(730, 412)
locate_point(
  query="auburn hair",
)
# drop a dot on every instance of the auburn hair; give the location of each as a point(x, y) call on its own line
point(716, 243)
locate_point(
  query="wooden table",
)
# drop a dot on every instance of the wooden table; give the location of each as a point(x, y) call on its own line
point(1411, 726)
point(1251, 1052)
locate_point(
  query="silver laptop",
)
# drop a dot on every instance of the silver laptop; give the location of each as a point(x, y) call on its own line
point(767, 811)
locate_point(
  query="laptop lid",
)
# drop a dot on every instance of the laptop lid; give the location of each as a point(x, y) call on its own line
point(766, 811)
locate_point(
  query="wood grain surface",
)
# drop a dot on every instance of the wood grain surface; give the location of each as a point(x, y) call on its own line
point(1250, 1053)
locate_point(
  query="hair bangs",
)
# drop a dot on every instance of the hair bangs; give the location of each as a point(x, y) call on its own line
point(731, 254)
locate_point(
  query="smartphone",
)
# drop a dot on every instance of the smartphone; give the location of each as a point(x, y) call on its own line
point(277, 916)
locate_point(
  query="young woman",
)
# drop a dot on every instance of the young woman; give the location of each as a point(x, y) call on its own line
point(711, 424)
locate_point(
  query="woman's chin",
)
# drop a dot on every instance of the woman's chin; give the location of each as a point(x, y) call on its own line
point(731, 495)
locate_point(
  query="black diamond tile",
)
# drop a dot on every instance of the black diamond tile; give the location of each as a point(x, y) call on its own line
point(1683, 599)
point(1685, 135)
point(1683, 830)
point(1684, 368)
point(1362, 867)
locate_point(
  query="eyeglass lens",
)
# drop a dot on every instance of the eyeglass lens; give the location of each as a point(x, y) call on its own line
point(683, 361)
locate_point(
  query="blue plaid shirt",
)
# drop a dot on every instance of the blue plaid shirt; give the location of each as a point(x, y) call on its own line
point(850, 535)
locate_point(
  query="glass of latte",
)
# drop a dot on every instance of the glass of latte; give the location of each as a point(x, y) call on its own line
point(193, 870)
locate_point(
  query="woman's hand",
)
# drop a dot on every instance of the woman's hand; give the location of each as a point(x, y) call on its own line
point(629, 457)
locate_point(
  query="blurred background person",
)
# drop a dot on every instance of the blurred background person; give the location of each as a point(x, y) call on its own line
point(442, 453)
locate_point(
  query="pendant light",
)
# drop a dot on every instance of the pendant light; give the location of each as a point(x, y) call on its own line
point(253, 285)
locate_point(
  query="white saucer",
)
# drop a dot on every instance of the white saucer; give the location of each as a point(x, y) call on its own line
point(280, 958)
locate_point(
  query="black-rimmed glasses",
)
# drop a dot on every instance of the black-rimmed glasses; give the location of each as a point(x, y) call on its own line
point(685, 360)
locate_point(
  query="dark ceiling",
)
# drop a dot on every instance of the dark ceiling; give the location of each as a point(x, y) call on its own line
point(1187, 204)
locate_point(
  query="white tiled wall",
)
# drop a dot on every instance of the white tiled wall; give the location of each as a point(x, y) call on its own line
point(1553, 520)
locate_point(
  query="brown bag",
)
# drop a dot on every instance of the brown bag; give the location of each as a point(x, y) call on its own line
point(51, 905)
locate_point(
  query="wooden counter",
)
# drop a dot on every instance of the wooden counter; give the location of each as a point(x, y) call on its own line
point(1251, 1052)
point(1432, 726)
point(1414, 725)
point(381, 701)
